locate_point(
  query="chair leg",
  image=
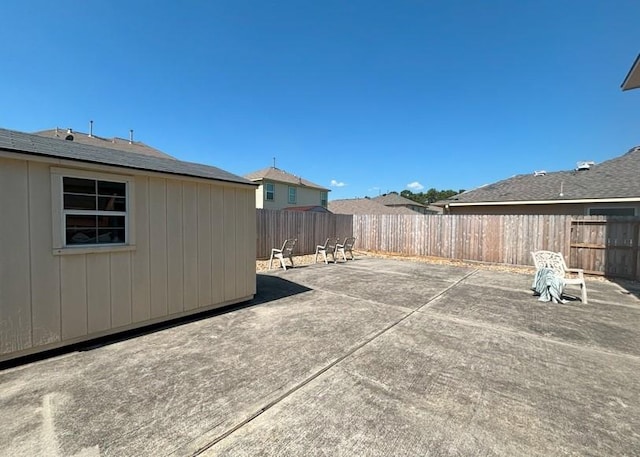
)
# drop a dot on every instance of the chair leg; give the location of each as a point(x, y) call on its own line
point(583, 288)
point(316, 255)
point(271, 260)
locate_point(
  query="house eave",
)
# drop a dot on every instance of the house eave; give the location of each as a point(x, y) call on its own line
point(261, 181)
point(546, 202)
point(632, 80)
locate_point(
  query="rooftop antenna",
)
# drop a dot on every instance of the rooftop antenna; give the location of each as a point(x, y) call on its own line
point(130, 136)
point(274, 162)
point(90, 129)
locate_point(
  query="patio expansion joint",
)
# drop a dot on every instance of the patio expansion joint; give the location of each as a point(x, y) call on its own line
point(216, 439)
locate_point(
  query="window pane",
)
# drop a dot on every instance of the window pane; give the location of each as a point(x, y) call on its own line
point(75, 221)
point(72, 201)
point(112, 188)
point(81, 236)
point(79, 185)
point(112, 204)
point(269, 191)
point(110, 236)
point(83, 229)
point(111, 221)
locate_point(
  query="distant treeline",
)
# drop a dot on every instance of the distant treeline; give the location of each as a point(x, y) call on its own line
point(430, 196)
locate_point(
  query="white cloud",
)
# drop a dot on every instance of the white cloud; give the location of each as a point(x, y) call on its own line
point(415, 185)
point(335, 183)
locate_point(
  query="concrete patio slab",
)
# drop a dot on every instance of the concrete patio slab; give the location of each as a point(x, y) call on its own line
point(371, 357)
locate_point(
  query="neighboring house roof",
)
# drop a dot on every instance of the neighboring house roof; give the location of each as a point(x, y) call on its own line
point(276, 174)
point(26, 143)
point(365, 206)
point(111, 143)
point(612, 180)
point(394, 199)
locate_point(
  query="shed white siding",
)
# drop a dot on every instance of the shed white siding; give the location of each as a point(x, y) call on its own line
point(194, 250)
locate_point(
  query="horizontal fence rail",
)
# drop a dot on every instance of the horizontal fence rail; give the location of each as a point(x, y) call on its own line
point(600, 245)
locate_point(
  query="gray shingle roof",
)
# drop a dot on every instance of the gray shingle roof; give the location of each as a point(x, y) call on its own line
point(365, 206)
point(276, 174)
point(111, 143)
point(615, 178)
point(393, 199)
point(13, 141)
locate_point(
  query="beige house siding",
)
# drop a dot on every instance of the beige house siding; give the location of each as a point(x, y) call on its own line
point(305, 196)
point(194, 250)
point(577, 209)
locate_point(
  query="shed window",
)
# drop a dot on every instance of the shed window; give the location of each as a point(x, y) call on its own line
point(94, 211)
point(292, 195)
point(269, 191)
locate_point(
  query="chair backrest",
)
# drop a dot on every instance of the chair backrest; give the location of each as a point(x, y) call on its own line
point(349, 242)
point(330, 244)
point(551, 260)
point(287, 247)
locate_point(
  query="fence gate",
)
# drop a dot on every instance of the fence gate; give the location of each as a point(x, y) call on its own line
point(606, 246)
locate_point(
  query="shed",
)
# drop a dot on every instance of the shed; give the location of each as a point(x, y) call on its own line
point(95, 241)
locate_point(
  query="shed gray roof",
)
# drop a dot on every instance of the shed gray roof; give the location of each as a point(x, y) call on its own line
point(13, 141)
point(365, 206)
point(612, 179)
point(111, 143)
point(276, 174)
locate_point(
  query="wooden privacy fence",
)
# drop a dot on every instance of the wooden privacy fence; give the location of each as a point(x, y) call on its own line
point(310, 228)
point(494, 239)
point(598, 244)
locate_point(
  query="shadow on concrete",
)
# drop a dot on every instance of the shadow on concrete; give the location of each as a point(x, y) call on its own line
point(271, 288)
point(630, 287)
point(268, 288)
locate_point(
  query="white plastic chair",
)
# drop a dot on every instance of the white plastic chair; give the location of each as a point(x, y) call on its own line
point(285, 251)
point(329, 247)
point(345, 247)
point(555, 262)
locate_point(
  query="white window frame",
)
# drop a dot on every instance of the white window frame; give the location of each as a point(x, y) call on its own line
point(59, 213)
point(268, 191)
point(294, 200)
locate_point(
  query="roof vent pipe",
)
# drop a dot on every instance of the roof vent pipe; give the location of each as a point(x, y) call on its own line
point(90, 129)
point(585, 165)
point(539, 173)
point(131, 136)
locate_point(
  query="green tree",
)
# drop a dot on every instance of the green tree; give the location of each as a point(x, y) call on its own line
point(430, 196)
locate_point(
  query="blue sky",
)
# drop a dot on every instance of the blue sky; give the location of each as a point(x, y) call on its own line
point(362, 97)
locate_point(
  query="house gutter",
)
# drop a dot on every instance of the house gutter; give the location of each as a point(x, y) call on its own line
point(548, 202)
